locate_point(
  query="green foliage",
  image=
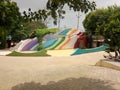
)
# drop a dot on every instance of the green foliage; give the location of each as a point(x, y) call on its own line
point(106, 22)
point(2, 38)
point(9, 14)
point(40, 33)
point(13, 23)
point(39, 15)
point(95, 19)
point(55, 7)
point(39, 53)
point(33, 25)
point(27, 30)
point(76, 5)
point(29, 24)
point(112, 34)
point(9, 19)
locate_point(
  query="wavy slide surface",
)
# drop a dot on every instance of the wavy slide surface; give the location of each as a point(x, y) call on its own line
point(82, 51)
point(27, 45)
point(64, 39)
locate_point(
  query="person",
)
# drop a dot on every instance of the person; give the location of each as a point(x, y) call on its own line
point(9, 38)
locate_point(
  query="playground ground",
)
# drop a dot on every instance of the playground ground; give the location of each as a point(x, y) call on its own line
point(57, 73)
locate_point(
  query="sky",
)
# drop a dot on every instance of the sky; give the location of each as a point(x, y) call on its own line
point(71, 17)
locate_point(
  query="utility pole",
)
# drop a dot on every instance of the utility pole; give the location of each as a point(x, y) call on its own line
point(78, 17)
point(59, 23)
point(59, 16)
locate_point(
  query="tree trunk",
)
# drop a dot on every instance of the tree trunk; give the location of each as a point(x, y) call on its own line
point(116, 54)
point(119, 53)
point(2, 38)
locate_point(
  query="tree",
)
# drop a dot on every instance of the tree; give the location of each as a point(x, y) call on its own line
point(32, 20)
point(95, 19)
point(27, 30)
point(40, 33)
point(9, 19)
point(106, 22)
point(39, 15)
point(55, 7)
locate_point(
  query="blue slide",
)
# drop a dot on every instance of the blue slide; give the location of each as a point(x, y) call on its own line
point(82, 51)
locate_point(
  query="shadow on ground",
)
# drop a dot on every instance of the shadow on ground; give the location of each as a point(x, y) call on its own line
point(67, 84)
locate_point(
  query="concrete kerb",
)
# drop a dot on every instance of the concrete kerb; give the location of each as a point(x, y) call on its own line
point(109, 64)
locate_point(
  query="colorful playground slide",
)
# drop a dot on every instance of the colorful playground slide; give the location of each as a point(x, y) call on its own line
point(26, 45)
point(83, 51)
point(31, 45)
point(65, 39)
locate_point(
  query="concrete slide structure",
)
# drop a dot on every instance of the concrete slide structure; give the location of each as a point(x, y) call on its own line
point(26, 45)
point(65, 39)
point(63, 43)
point(82, 51)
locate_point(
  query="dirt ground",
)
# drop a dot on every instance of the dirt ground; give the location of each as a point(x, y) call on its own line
point(57, 73)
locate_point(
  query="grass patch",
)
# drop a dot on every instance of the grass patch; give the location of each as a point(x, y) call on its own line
point(38, 53)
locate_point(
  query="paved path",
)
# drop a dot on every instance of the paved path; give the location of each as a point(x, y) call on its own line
point(4, 52)
point(67, 52)
point(57, 73)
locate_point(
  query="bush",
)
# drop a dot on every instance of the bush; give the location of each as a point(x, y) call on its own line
point(39, 53)
point(40, 33)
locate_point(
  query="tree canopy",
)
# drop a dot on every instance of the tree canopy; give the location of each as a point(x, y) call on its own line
point(106, 22)
point(9, 19)
point(9, 14)
point(27, 30)
point(95, 19)
point(56, 7)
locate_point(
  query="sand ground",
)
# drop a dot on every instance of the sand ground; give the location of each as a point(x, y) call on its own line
point(57, 73)
point(60, 53)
